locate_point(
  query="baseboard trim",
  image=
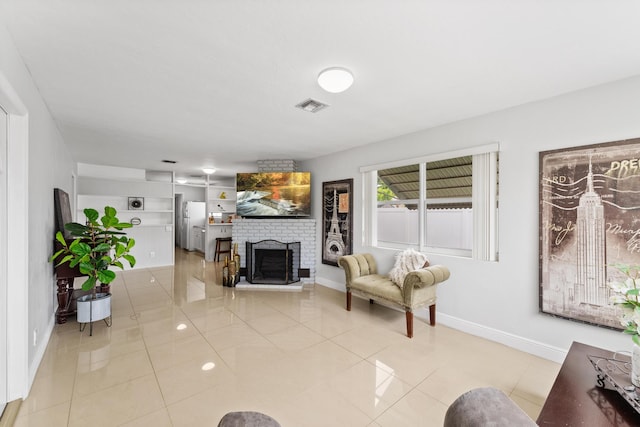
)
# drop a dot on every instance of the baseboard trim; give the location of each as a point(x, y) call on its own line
point(39, 354)
point(535, 348)
point(8, 417)
point(338, 286)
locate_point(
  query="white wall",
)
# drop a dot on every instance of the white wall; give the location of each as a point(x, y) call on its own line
point(50, 165)
point(499, 300)
point(112, 186)
point(191, 193)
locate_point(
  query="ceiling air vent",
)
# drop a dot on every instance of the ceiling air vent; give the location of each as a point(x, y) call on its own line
point(311, 105)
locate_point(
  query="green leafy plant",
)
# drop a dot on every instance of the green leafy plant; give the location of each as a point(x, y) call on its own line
point(98, 245)
point(625, 294)
point(384, 192)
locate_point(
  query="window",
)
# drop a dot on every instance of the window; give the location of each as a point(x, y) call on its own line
point(444, 204)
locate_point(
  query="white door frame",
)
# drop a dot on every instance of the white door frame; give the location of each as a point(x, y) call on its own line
point(17, 274)
point(4, 123)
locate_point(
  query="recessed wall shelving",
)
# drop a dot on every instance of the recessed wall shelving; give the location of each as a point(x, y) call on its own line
point(154, 233)
point(156, 211)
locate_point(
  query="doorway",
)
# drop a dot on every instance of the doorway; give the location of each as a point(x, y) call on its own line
point(14, 273)
point(4, 392)
point(178, 200)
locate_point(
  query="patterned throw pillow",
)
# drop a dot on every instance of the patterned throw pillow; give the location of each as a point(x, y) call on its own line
point(406, 262)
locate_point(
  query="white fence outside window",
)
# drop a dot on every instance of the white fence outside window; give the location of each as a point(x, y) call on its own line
point(446, 228)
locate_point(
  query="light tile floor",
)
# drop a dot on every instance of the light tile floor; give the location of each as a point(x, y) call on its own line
point(299, 357)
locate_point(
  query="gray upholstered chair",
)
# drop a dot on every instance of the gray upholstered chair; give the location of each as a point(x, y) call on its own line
point(486, 406)
point(247, 419)
point(418, 290)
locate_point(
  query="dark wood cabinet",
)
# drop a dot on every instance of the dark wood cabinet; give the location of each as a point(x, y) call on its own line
point(66, 293)
point(576, 400)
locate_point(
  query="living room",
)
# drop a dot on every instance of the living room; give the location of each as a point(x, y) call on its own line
point(496, 300)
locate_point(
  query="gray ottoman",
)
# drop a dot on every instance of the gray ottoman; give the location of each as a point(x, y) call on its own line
point(487, 406)
point(247, 419)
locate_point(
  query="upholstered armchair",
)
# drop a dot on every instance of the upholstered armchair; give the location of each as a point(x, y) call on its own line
point(486, 406)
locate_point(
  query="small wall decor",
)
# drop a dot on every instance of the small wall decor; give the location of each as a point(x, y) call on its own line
point(136, 203)
point(589, 210)
point(135, 221)
point(337, 235)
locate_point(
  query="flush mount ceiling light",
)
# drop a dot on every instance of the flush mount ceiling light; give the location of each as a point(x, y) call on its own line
point(335, 79)
point(181, 180)
point(208, 171)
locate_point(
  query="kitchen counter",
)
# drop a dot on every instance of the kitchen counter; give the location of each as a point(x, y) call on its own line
point(198, 237)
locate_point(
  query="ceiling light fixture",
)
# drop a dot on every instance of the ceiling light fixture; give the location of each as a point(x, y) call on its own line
point(181, 180)
point(335, 79)
point(208, 171)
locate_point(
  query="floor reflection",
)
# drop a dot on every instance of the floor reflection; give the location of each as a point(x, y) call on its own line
point(183, 350)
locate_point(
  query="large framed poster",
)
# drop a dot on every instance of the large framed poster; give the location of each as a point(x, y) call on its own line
point(337, 202)
point(589, 222)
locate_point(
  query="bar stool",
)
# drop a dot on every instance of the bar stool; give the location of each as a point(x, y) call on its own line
point(219, 241)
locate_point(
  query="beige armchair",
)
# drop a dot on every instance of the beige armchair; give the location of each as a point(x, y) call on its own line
point(418, 290)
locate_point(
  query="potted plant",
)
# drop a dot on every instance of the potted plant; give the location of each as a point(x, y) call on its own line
point(626, 293)
point(98, 245)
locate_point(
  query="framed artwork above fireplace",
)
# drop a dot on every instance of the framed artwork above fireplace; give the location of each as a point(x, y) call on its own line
point(337, 229)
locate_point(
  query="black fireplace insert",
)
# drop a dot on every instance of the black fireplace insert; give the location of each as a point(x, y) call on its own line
point(273, 262)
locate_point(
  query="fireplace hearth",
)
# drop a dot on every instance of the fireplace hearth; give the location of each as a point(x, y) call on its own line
point(273, 262)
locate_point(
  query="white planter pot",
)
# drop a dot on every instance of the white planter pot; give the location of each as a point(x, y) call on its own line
point(91, 310)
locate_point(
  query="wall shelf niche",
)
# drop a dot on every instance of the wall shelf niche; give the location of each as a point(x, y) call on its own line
point(154, 233)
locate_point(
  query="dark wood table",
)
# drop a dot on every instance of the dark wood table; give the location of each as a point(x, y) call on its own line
point(66, 293)
point(576, 400)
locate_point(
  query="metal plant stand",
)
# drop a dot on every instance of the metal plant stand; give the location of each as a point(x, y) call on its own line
point(101, 311)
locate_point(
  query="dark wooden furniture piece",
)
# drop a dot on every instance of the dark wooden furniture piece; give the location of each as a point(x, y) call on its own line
point(66, 294)
point(220, 250)
point(64, 274)
point(576, 400)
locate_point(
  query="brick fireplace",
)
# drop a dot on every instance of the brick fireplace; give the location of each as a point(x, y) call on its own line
point(286, 230)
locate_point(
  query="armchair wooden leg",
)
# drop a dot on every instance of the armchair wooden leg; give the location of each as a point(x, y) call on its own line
point(409, 324)
point(348, 300)
point(432, 315)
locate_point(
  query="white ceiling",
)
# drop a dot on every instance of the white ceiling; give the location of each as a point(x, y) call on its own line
point(214, 83)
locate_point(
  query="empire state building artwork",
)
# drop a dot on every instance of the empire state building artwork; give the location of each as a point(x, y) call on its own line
point(591, 244)
point(589, 221)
